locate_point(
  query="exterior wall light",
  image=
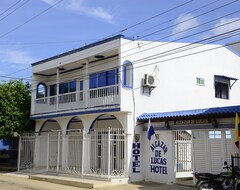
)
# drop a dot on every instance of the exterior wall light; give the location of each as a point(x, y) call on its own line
point(99, 56)
point(214, 123)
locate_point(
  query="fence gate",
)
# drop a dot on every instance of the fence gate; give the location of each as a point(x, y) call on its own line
point(26, 152)
point(54, 144)
point(183, 146)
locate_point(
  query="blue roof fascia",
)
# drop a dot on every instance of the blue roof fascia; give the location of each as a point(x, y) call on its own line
point(81, 49)
point(188, 113)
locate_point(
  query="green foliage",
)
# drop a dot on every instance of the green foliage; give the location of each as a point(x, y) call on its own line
point(15, 101)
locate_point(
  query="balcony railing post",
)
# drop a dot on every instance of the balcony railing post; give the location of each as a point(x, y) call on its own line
point(109, 153)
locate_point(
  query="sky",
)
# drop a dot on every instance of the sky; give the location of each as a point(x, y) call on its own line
point(33, 30)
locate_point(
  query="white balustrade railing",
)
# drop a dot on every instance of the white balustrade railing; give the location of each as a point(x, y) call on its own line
point(107, 95)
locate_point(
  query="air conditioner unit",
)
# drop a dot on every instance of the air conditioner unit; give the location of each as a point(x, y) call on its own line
point(149, 80)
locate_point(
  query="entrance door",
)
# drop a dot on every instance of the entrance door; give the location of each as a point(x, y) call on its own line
point(211, 148)
point(183, 148)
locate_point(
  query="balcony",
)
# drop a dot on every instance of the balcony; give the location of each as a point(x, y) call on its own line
point(97, 97)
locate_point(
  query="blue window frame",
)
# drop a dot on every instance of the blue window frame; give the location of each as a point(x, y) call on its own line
point(72, 86)
point(112, 77)
point(41, 90)
point(53, 90)
point(127, 70)
point(93, 81)
point(81, 85)
point(67, 87)
point(102, 79)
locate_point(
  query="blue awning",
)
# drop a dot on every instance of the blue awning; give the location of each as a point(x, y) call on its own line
point(230, 110)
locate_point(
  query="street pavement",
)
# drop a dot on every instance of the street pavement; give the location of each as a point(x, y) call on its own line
point(23, 183)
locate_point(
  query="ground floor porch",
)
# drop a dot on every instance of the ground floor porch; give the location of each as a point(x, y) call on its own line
point(110, 146)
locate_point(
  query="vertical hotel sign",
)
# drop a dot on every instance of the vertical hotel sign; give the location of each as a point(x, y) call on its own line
point(136, 154)
point(158, 160)
point(159, 149)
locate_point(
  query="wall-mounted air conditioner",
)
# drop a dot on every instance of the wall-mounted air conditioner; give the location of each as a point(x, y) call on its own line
point(149, 80)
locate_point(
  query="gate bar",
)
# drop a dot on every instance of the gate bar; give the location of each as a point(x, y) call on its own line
point(58, 149)
point(47, 152)
point(19, 153)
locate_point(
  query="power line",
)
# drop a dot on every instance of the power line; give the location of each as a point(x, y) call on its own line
point(10, 7)
point(212, 10)
point(213, 39)
point(29, 20)
point(192, 11)
point(204, 13)
point(160, 14)
point(18, 71)
point(14, 10)
point(152, 17)
point(225, 24)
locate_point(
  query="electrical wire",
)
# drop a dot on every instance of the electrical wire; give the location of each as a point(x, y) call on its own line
point(222, 36)
point(14, 10)
point(163, 44)
point(10, 7)
point(31, 19)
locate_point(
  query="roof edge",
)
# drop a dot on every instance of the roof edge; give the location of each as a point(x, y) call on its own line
point(81, 49)
point(190, 113)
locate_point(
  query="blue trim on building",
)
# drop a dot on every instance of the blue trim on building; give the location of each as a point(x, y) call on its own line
point(49, 120)
point(124, 73)
point(45, 90)
point(188, 113)
point(80, 49)
point(75, 113)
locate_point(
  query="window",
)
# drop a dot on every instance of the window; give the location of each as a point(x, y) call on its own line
point(214, 134)
point(105, 78)
point(53, 90)
point(41, 90)
point(67, 87)
point(81, 91)
point(200, 81)
point(198, 135)
point(72, 86)
point(127, 74)
point(81, 85)
point(228, 134)
point(222, 87)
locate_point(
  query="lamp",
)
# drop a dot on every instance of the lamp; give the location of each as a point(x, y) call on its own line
point(99, 56)
point(214, 123)
point(167, 125)
point(61, 69)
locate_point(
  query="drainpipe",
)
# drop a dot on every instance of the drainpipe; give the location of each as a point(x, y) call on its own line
point(86, 86)
point(57, 85)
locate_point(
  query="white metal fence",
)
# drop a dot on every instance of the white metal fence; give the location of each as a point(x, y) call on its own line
point(101, 152)
point(183, 145)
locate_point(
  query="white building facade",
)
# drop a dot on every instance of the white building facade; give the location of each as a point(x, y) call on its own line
point(88, 105)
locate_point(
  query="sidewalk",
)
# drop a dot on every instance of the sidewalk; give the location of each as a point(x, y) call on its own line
point(15, 181)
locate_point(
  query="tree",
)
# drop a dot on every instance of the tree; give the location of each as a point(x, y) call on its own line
point(15, 101)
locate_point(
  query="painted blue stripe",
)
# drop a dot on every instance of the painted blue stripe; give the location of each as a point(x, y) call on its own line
point(75, 113)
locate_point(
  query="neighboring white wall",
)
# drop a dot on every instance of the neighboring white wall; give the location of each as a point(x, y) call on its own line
point(176, 78)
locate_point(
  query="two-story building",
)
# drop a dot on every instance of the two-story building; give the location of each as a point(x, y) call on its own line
point(88, 105)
